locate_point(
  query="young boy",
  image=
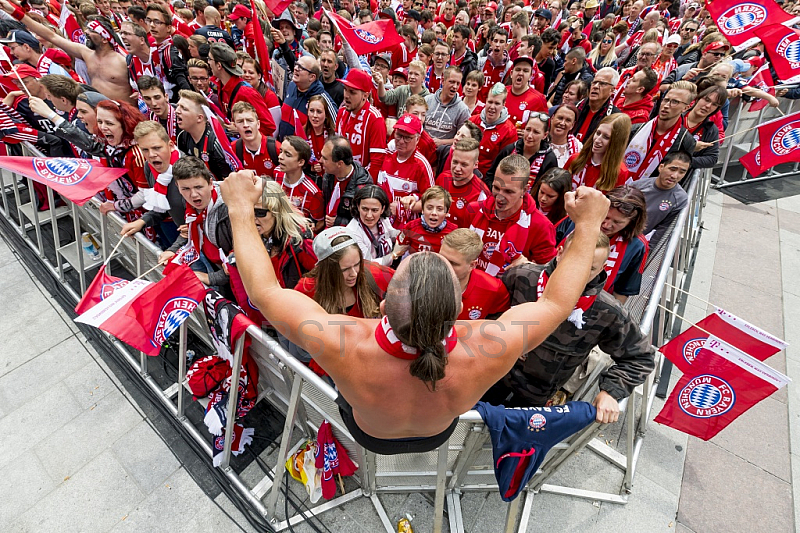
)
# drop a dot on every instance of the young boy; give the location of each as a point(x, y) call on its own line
point(426, 233)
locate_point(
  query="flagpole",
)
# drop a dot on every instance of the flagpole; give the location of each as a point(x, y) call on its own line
point(750, 129)
point(114, 251)
point(676, 315)
point(140, 276)
point(692, 295)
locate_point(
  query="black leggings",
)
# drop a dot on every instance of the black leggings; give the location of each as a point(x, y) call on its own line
point(391, 446)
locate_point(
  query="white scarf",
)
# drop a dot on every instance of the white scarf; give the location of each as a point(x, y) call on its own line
point(640, 150)
point(155, 199)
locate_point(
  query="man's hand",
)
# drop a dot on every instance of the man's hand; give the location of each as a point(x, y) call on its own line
point(165, 256)
point(277, 36)
point(700, 145)
point(10, 97)
point(377, 77)
point(241, 190)
point(607, 408)
point(692, 74)
point(203, 277)
point(586, 206)
point(107, 207)
point(329, 221)
point(734, 93)
point(6, 6)
point(39, 107)
point(781, 92)
point(131, 228)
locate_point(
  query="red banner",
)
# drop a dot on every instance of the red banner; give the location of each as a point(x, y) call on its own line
point(277, 6)
point(262, 52)
point(738, 19)
point(369, 38)
point(102, 287)
point(70, 27)
point(723, 384)
point(751, 161)
point(684, 349)
point(779, 140)
point(146, 317)
point(782, 45)
point(762, 79)
point(75, 179)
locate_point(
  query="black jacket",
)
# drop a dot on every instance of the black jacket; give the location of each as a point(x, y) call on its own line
point(177, 73)
point(557, 91)
point(583, 111)
point(177, 205)
point(469, 63)
point(708, 133)
point(359, 178)
point(214, 155)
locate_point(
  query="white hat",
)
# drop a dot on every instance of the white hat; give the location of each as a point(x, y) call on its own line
point(323, 243)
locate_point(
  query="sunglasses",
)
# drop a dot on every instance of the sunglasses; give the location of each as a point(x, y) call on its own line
point(624, 207)
point(260, 212)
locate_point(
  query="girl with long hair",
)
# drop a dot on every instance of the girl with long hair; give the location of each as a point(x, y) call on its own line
point(252, 74)
point(319, 126)
point(701, 126)
point(533, 146)
point(342, 282)
point(371, 226)
point(563, 143)
point(549, 191)
point(604, 55)
point(600, 162)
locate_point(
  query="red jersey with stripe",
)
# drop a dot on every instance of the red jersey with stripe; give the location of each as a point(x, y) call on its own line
point(366, 131)
point(475, 190)
point(495, 138)
point(398, 178)
point(304, 195)
point(418, 239)
point(485, 295)
point(492, 74)
point(520, 106)
point(260, 161)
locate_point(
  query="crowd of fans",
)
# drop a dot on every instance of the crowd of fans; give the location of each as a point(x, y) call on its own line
point(462, 140)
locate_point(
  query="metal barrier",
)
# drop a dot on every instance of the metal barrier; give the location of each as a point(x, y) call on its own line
point(462, 464)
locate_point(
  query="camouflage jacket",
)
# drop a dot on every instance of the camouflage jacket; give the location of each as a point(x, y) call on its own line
point(538, 376)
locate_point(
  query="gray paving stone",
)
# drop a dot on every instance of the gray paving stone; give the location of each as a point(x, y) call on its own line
point(757, 307)
point(145, 456)
point(87, 435)
point(650, 508)
point(790, 258)
point(789, 221)
point(744, 250)
point(492, 516)
point(89, 385)
point(23, 483)
point(94, 499)
point(363, 513)
point(790, 203)
point(680, 528)
point(551, 512)
point(6, 254)
point(761, 215)
point(722, 492)
point(36, 420)
point(663, 455)
point(220, 515)
point(586, 470)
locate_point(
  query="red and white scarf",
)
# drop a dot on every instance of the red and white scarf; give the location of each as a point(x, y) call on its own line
point(644, 154)
point(516, 234)
point(583, 305)
point(155, 199)
point(615, 254)
point(44, 65)
point(172, 122)
point(390, 344)
point(196, 222)
point(98, 28)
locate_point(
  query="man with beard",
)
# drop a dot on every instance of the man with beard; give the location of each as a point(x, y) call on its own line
point(598, 105)
point(361, 123)
point(498, 129)
point(496, 63)
point(106, 67)
point(197, 137)
point(161, 111)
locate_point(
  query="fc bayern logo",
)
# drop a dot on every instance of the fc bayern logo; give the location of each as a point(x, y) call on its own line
point(367, 37)
point(171, 317)
point(663, 206)
point(61, 170)
point(691, 349)
point(707, 396)
point(460, 203)
point(789, 48)
point(786, 139)
point(632, 159)
point(742, 18)
point(109, 288)
point(474, 314)
point(488, 249)
point(537, 422)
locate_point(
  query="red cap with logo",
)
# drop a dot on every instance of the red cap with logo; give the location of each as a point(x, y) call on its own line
point(410, 124)
point(358, 80)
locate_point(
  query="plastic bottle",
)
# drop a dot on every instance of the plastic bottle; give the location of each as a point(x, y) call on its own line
point(404, 525)
point(88, 244)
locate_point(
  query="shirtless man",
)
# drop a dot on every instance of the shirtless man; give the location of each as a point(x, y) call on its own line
point(395, 377)
point(107, 69)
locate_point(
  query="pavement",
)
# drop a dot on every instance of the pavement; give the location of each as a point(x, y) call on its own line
point(81, 454)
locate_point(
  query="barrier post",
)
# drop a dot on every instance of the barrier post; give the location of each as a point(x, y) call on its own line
point(739, 111)
point(182, 340)
point(441, 479)
point(286, 436)
point(233, 397)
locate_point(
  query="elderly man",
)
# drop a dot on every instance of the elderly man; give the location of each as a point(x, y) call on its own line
point(305, 84)
point(648, 53)
point(598, 105)
point(361, 123)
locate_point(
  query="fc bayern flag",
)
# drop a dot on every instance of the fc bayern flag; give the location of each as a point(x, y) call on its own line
point(762, 79)
point(146, 318)
point(779, 139)
point(75, 179)
point(782, 44)
point(369, 38)
point(70, 27)
point(738, 19)
point(102, 287)
point(724, 383)
point(684, 349)
point(751, 161)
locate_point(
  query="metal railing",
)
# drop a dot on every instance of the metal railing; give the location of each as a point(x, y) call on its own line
point(462, 464)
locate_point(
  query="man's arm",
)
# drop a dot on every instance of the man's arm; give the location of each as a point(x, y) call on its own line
point(75, 50)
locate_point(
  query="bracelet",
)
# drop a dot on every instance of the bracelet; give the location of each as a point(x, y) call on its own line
point(53, 116)
point(18, 13)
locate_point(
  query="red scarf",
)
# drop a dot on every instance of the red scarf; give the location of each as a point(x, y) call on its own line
point(614, 261)
point(172, 122)
point(196, 222)
point(645, 150)
point(516, 233)
point(583, 305)
point(390, 344)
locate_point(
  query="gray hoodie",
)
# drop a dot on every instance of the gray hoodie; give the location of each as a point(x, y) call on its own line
point(442, 121)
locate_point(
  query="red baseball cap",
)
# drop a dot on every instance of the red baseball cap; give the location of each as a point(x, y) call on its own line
point(716, 45)
point(409, 124)
point(240, 12)
point(24, 71)
point(358, 80)
point(492, 6)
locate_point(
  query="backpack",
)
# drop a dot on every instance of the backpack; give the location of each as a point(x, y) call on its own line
point(272, 150)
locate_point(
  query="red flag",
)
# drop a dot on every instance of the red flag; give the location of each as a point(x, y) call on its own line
point(779, 140)
point(70, 27)
point(724, 383)
point(261, 46)
point(369, 38)
point(102, 287)
point(738, 19)
point(786, 45)
point(224, 141)
point(751, 161)
point(762, 79)
point(332, 459)
point(186, 255)
point(684, 349)
point(277, 6)
point(76, 179)
point(144, 317)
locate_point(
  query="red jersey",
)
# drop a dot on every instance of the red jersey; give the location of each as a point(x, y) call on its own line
point(520, 106)
point(229, 95)
point(427, 146)
point(401, 56)
point(474, 191)
point(590, 173)
point(366, 132)
point(418, 239)
point(485, 295)
point(447, 23)
point(260, 161)
point(413, 176)
point(493, 74)
point(381, 274)
point(304, 195)
point(495, 138)
point(433, 82)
